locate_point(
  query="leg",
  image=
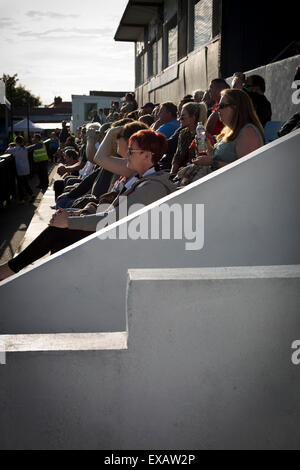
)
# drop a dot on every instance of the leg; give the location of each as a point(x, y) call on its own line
point(42, 169)
point(65, 203)
point(51, 239)
point(45, 179)
point(27, 186)
point(59, 187)
point(20, 184)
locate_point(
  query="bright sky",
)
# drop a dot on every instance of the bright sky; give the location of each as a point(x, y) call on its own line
point(65, 47)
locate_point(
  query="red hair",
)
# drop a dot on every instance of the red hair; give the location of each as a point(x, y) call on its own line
point(151, 141)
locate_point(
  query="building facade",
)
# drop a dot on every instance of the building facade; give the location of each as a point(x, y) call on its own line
point(84, 105)
point(181, 45)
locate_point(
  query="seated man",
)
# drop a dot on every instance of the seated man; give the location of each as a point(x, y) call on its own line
point(146, 109)
point(167, 116)
point(255, 86)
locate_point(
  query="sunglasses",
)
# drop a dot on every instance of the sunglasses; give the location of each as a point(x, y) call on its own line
point(224, 105)
point(130, 151)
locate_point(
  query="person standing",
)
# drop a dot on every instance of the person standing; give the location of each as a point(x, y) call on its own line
point(40, 158)
point(53, 147)
point(22, 168)
point(64, 134)
point(95, 117)
point(102, 117)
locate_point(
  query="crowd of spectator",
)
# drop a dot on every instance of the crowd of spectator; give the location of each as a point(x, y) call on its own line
point(142, 154)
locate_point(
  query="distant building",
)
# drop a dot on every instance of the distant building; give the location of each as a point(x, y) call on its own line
point(181, 45)
point(84, 105)
point(48, 117)
point(60, 104)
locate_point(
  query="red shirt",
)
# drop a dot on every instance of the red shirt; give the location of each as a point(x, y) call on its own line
point(219, 125)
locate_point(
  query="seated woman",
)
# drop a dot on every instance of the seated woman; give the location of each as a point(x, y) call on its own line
point(63, 188)
point(191, 114)
point(242, 134)
point(99, 181)
point(144, 152)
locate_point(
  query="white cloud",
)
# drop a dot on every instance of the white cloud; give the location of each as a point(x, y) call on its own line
point(48, 14)
point(65, 49)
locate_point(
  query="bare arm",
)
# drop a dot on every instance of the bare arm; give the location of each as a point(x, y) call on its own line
point(105, 159)
point(63, 170)
point(247, 142)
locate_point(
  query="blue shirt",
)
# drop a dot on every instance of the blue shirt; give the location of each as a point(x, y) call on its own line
point(169, 128)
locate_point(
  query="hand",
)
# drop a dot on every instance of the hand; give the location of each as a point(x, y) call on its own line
point(202, 161)
point(238, 80)
point(210, 149)
point(93, 130)
point(61, 170)
point(60, 219)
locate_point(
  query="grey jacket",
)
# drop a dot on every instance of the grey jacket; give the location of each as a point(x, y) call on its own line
point(144, 191)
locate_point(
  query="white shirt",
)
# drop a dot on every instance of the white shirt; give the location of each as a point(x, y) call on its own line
point(134, 178)
point(87, 169)
point(21, 158)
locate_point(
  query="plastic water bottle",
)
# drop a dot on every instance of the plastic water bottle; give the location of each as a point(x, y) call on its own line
point(201, 140)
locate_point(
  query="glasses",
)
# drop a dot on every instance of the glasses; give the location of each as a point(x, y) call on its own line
point(224, 105)
point(130, 151)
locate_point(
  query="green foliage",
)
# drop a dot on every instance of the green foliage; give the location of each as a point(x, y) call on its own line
point(17, 94)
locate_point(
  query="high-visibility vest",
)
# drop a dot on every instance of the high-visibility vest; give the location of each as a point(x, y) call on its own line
point(41, 154)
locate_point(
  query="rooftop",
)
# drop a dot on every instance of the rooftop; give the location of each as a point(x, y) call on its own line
point(136, 17)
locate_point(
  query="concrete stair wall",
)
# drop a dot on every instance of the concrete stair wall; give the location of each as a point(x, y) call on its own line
point(208, 366)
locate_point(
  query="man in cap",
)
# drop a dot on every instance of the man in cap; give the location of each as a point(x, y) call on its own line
point(146, 109)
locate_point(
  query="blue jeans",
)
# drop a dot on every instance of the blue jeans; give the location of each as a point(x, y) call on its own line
point(65, 203)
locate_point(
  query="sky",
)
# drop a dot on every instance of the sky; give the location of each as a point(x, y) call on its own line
point(64, 47)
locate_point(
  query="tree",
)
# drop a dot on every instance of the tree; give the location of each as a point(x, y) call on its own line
point(17, 94)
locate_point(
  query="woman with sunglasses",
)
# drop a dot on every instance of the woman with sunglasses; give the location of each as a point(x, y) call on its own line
point(191, 114)
point(144, 152)
point(242, 134)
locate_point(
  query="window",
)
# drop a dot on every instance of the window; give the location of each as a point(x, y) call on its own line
point(172, 42)
point(154, 59)
point(89, 109)
point(159, 55)
point(203, 22)
point(140, 70)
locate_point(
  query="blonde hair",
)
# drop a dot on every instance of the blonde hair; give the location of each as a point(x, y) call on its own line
point(199, 110)
point(244, 113)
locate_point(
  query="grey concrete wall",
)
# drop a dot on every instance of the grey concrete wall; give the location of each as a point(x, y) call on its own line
point(251, 219)
point(279, 77)
point(208, 366)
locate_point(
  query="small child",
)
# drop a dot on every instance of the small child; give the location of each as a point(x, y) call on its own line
point(23, 170)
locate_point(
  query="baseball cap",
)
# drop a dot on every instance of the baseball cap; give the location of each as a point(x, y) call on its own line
point(148, 105)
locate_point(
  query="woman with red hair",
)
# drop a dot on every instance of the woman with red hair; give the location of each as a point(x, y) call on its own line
point(145, 149)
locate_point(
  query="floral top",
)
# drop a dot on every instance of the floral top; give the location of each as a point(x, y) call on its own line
point(184, 154)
